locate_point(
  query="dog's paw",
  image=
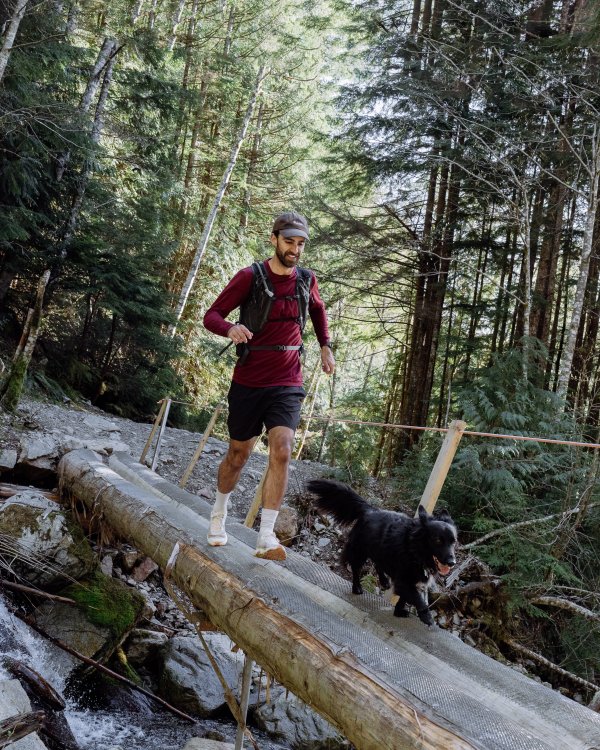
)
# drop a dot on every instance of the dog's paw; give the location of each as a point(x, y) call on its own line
point(426, 617)
point(400, 611)
point(357, 589)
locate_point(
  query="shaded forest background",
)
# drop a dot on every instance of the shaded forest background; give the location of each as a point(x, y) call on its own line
point(447, 156)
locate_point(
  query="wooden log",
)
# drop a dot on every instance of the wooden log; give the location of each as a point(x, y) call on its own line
point(8, 490)
point(368, 712)
point(16, 727)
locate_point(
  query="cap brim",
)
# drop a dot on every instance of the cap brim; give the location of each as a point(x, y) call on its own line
point(293, 233)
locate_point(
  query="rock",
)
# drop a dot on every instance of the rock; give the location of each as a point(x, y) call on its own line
point(34, 448)
point(106, 611)
point(128, 559)
point(8, 459)
point(100, 423)
point(197, 743)
point(286, 526)
point(145, 568)
point(54, 547)
point(13, 701)
point(323, 542)
point(188, 680)
point(142, 647)
point(291, 721)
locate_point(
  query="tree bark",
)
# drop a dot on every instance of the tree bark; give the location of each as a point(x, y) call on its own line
point(566, 362)
point(11, 33)
point(12, 386)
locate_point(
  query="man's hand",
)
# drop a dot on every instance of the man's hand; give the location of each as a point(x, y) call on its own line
point(239, 334)
point(327, 360)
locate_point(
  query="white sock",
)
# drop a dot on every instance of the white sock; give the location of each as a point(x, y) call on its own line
point(267, 520)
point(220, 505)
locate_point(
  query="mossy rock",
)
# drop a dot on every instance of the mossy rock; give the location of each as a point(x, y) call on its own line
point(54, 548)
point(108, 603)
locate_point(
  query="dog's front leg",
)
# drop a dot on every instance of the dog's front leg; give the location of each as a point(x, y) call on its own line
point(412, 595)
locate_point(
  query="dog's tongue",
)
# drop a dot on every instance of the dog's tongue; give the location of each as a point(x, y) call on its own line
point(443, 569)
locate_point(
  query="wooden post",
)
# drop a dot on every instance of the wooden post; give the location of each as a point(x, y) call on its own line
point(441, 466)
point(313, 390)
point(207, 432)
point(160, 434)
point(257, 502)
point(161, 411)
point(244, 700)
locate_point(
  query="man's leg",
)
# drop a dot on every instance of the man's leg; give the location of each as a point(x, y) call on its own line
point(227, 477)
point(281, 441)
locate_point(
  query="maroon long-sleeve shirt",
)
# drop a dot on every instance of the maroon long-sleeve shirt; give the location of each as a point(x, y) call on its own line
point(269, 368)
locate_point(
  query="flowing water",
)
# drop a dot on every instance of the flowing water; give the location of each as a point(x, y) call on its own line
point(134, 723)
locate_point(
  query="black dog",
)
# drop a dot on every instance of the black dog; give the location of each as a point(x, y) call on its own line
point(407, 550)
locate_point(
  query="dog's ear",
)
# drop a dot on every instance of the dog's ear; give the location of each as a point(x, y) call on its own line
point(443, 515)
point(423, 514)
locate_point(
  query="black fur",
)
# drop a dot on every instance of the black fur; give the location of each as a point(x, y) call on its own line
point(406, 550)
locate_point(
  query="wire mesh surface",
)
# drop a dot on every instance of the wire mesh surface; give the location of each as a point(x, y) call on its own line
point(485, 702)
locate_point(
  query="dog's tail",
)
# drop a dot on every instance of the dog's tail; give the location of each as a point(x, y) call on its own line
point(338, 500)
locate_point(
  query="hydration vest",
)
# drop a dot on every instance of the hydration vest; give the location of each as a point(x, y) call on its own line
point(254, 311)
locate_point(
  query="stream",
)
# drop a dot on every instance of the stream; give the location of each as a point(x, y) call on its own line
point(134, 723)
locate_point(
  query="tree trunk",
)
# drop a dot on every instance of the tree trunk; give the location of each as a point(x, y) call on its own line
point(175, 24)
point(11, 33)
point(203, 241)
point(566, 362)
point(12, 386)
point(107, 50)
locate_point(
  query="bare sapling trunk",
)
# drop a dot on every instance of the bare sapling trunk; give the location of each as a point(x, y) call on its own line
point(11, 33)
point(12, 386)
point(203, 241)
point(566, 362)
point(107, 52)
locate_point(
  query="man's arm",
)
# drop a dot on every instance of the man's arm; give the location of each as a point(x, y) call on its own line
point(230, 298)
point(318, 315)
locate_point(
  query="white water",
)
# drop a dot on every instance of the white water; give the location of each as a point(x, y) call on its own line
point(137, 726)
point(93, 730)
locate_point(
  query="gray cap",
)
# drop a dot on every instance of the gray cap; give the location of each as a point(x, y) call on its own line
point(291, 224)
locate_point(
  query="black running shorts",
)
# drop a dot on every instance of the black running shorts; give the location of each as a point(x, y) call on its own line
point(251, 408)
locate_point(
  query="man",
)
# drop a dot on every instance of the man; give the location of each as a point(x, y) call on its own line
point(275, 297)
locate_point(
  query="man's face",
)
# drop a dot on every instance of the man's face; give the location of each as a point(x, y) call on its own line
point(288, 249)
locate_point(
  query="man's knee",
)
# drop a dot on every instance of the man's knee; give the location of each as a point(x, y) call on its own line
point(237, 456)
point(280, 450)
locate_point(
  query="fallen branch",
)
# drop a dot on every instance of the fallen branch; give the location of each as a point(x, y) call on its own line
point(8, 490)
point(16, 727)
point(559, 603)
point(35, 592)
point(109, 672)
point(550, 665)
point(522, 524)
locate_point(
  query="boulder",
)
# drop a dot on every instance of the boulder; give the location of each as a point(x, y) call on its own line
point(286, 526)
point(198, 743)
point(188, 680)
point(8, 459)
point(289, 720)
point(142, 647)
point(105, 612)
point(54, 548)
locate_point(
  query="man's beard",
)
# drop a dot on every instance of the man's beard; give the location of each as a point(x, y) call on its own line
point(288, 262)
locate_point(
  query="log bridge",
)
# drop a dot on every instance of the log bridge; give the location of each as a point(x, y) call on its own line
point(386, 683)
